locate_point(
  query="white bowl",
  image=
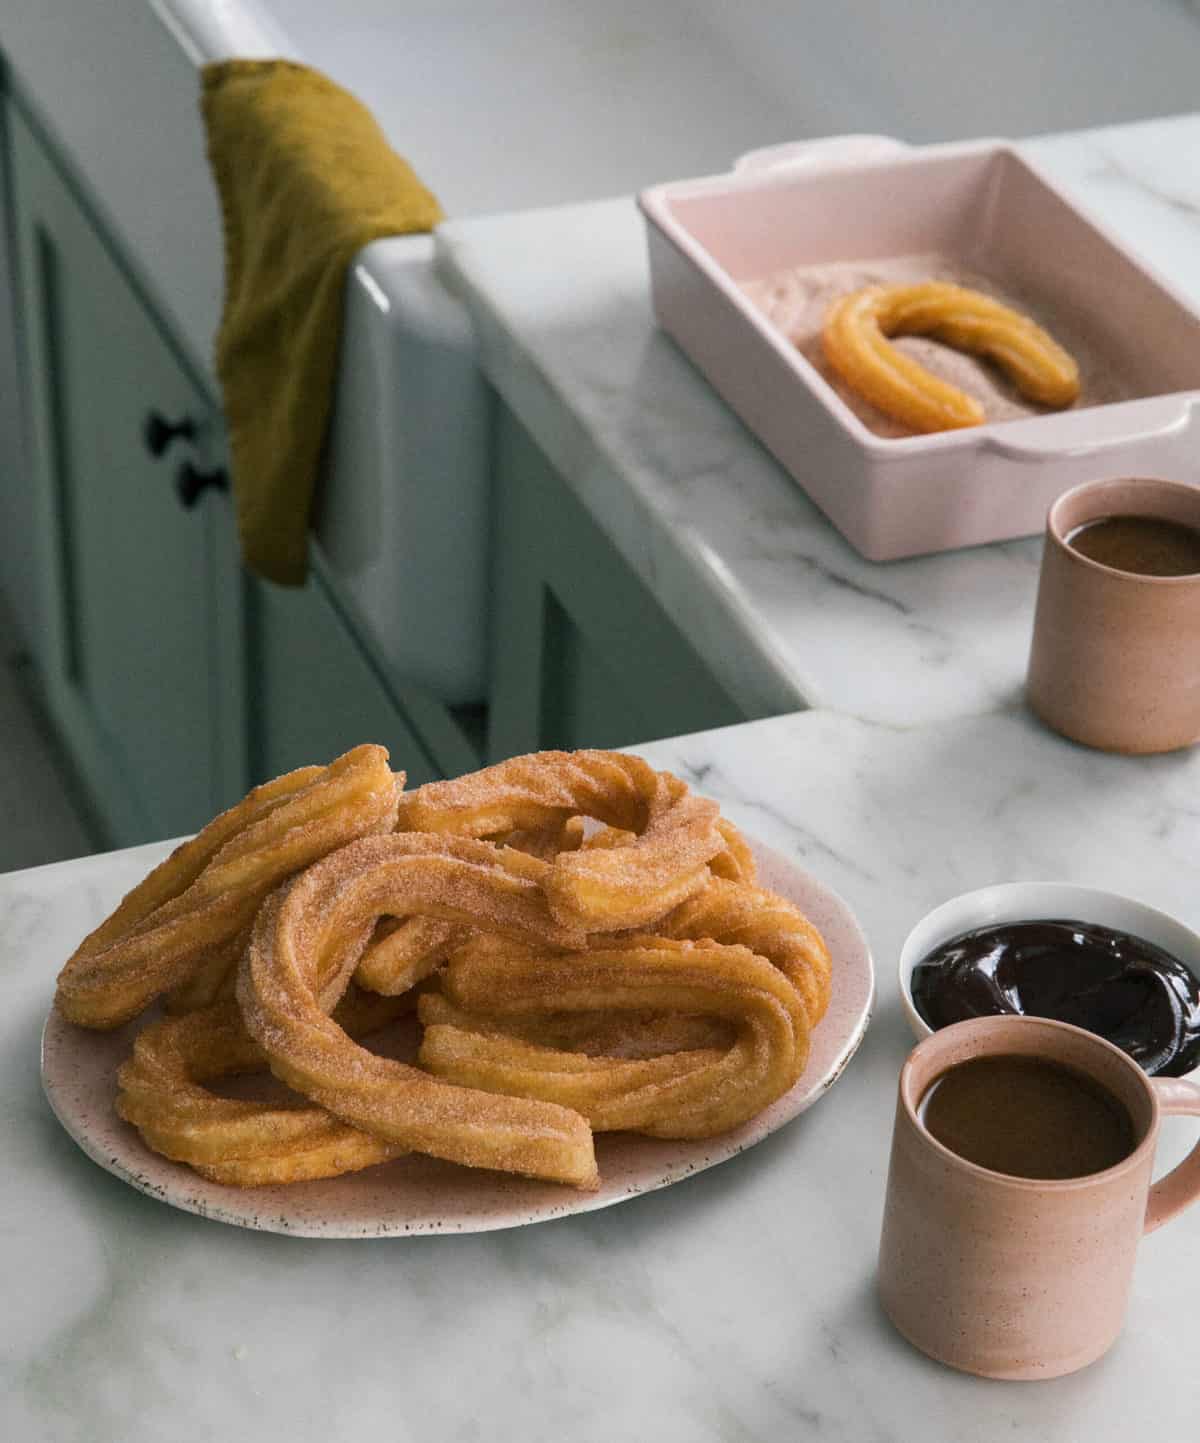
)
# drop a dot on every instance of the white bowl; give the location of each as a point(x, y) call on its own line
point(1033, 901)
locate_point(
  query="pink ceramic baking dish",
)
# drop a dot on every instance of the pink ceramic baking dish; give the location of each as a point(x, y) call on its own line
point(860, 198)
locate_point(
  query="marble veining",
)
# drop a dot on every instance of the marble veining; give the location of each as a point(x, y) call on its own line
point(742, 561)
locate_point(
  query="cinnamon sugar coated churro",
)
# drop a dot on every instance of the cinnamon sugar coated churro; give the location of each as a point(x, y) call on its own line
point(600, 889)
point(856, 339)
point(579, 938)
point(193, 912)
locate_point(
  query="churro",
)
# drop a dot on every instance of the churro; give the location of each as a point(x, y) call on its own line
point(771, 926)
point(691, 1094)
point(857, 345)
point(626, 1034)
point(193, 911)
point(296, 934)
point(598, 889)
point(162, 1092)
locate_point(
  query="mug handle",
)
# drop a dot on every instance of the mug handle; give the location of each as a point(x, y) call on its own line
point(1181, 1186)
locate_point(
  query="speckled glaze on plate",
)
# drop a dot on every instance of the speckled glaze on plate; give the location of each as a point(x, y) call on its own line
point(423, 1195)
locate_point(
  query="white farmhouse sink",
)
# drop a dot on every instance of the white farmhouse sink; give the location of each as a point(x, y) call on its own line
point(510, 104)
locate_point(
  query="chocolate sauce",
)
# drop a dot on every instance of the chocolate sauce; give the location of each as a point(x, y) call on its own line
point(1145, 545)
point(1028, 1117)
point(1121, 987)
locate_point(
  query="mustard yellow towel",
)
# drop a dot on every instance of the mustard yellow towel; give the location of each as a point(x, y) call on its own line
point(306, 179)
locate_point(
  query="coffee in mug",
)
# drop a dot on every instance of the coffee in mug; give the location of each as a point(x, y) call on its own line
point(1027, 1117)
point(1141, 545)
point(1115, 659)
point(986, 1263)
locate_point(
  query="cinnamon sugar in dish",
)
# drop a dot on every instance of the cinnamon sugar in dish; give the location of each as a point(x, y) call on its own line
point(797, 299)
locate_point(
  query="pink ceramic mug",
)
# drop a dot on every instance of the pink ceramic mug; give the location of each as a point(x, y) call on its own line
point(1015, 1277)
point(1115, 661)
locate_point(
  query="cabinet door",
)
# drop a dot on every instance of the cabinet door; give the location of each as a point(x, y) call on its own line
point(313, 692)
point(129, 654)
point(582, 653)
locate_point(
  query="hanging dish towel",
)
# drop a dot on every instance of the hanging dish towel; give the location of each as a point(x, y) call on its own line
point(306, 179)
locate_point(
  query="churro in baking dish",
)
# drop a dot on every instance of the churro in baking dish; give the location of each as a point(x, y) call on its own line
point(799, 300)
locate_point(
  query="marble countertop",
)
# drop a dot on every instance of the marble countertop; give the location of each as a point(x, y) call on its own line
point(738, 1305)
point(777, 602)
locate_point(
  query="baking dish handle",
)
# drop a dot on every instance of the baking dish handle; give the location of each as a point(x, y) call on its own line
point(832, 150)
point(1091, 431)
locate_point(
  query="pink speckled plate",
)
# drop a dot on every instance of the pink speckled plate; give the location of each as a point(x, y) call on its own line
point(422, 1195)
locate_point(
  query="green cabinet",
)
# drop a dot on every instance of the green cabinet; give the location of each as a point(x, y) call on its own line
point(132, 645)
point(318, 691)
point(174, 680)
point(583, 655)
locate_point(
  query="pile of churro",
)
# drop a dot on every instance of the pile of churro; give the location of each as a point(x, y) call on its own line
point(580, 936)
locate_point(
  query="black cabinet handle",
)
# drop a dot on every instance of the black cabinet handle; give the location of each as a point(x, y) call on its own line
point(158, 432)
point(190, 484)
